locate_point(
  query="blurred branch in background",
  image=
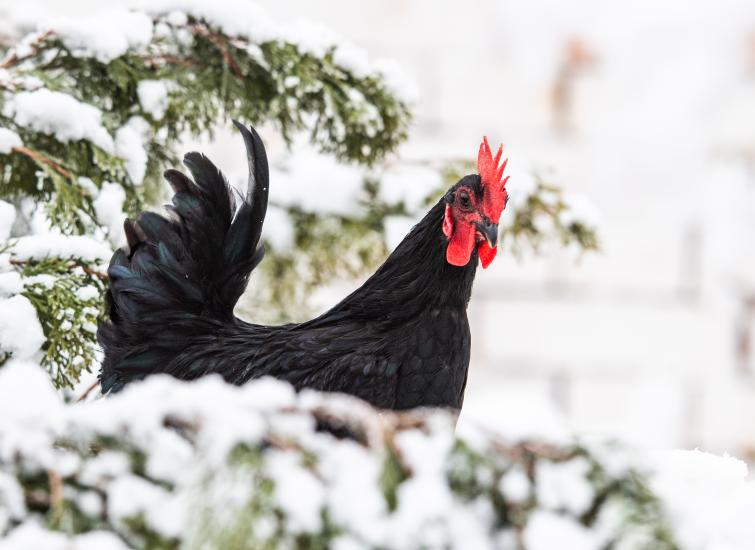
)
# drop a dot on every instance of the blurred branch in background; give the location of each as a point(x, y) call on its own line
point(577, 58)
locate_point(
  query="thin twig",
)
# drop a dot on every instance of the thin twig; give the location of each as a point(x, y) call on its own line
point(39, 157)
point(56, 494)
point(171, 59)
point(89, 390)
point(221, 44)
point(15, 60)
point(89, 271)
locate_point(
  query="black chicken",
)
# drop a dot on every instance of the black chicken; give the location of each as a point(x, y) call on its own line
point(402, 340)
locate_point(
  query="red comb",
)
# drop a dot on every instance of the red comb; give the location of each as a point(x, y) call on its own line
point(494, 196)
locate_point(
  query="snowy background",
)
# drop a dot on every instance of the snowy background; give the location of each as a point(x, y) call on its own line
point(646, 109)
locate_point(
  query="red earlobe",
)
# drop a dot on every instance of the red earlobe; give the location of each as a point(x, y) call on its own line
point(448, 223)
point(486, 254)
point(461, 240)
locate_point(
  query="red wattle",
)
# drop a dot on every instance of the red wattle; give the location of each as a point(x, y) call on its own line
point(461, 244)
point(486, 254)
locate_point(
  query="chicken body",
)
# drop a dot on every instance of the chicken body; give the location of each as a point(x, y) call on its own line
point(400, 341)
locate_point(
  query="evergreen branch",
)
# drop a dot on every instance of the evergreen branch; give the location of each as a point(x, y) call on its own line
point(220, 42)
point(162, 59)
point(39, 157)
point(73, 264)
point(67, 296)
point(14, 59)
point(231, 497)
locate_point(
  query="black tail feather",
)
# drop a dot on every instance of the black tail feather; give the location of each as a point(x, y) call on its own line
point(182, 275)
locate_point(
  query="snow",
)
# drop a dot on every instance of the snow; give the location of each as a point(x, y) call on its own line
point(106, 466)
point(174, 450)
point(44, 279)
point(8, 140)
point(291, 81)
point(104, 36)
point(61, 246)
point(411, 185)
point(177, 18)
point(515, 485)
point(579, 209)
point(396, 228)
point(153, 97)
point(60, 115)
point(350, 472)
point(520, 187)
point(20, 331)
point(317, 183)
point(26, 396)
point(12, 503)
point(98, 540)
point(31, 536)
point(10, 283)
point(270, 392)
point(345, 542)
point(521, 411)
point(309, 37)
point(424, 499)
point(7, 217)
point(543, 223)
point(108, 206)
point(353, 59)
point(90, 503)
point(296, 491)
point(129, 496)
point(130, 146)
point(87, 293)
point(564, 485)
point(709, 498)
point(546, 531)
point(398, 81)
point(278, 229)
point(235, 17)
point(250, 21)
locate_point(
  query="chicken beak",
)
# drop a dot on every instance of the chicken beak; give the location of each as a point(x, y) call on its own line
point(489, 231)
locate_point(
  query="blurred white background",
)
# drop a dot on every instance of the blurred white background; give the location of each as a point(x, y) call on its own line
point(648, 109)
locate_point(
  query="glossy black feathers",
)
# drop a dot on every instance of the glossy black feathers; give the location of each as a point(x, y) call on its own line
point(184, 273)
point(400, 341)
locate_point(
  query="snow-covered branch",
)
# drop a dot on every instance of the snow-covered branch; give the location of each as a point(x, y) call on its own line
point(170, 464)
point(209, 465)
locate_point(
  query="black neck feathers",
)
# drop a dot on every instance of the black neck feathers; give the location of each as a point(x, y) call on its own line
point(415, 277)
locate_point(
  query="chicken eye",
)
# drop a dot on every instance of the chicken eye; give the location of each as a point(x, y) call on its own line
point(464, 201)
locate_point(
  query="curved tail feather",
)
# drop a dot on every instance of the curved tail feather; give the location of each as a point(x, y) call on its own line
point(183, 274)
